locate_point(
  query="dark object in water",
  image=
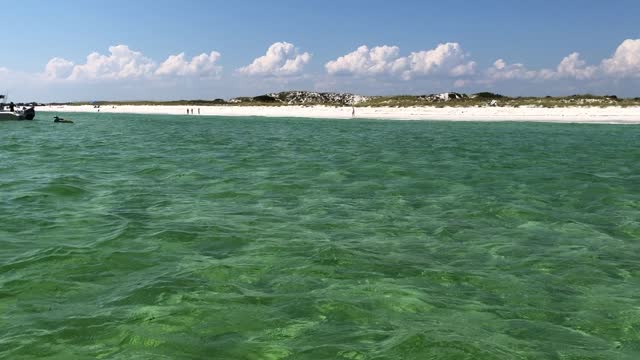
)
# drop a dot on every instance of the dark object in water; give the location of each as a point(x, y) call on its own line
point(61, 120)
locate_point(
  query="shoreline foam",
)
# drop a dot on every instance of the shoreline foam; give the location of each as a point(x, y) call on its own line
point(604, 115)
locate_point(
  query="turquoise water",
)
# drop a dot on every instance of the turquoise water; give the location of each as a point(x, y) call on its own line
point(166, 237)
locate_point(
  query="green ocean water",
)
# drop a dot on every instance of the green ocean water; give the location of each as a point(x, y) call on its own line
point(173, 237)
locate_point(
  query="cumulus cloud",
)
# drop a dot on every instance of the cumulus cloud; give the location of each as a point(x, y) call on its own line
point(450, 60)
point(446, 59)
point(121, 63)
point(573, 67)
point(625, 62)
point(445, 65)
point(281, 59)
point(503, 71)
point(364, 62)
point(58, 68)
point(202, 65)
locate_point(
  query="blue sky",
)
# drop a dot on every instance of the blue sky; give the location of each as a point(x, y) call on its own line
point(531, 40)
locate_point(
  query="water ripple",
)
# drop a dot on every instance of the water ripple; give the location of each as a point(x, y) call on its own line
point(134, 236)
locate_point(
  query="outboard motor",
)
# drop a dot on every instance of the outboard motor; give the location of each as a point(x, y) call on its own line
point(29, 113)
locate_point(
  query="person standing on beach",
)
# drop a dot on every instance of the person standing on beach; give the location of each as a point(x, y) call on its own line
point(353, 111)
point(187, 111)
point(198, 111)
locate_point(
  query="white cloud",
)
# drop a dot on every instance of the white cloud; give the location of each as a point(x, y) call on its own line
point(58, 68)
point(450, 60)
point(372, 70)
point(625, 62)
point(462, 83)
point(503, 71)
point(18, 84)
point(281, 59)
point(202, 65)
point(364, 62)
point(122, 63)
point(446, 59)
point(573, 67)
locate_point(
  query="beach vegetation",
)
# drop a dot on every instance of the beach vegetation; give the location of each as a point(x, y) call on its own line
point(450, 99)
point(487, 95)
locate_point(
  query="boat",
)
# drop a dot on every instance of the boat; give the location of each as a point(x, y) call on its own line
point(12, 114)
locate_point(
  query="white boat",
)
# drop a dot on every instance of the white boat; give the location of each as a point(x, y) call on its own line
point(8, 112)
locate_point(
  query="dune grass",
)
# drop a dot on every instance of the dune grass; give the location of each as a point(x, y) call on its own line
point(476, 100)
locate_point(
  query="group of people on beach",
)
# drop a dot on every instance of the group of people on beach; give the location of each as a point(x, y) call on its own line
point(192, 111)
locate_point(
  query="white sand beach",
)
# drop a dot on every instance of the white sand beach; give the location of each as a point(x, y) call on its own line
point(607, 115)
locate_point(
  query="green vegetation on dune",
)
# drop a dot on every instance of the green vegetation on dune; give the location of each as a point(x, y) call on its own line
point(452, 99)
point(486, 99)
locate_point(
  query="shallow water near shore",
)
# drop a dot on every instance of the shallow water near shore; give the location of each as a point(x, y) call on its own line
point(174, 237)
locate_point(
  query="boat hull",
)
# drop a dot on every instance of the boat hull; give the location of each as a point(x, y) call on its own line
point(9, 116)
point(28, 114)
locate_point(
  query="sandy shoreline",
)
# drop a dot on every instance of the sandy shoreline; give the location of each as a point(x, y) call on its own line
point(607, 115)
